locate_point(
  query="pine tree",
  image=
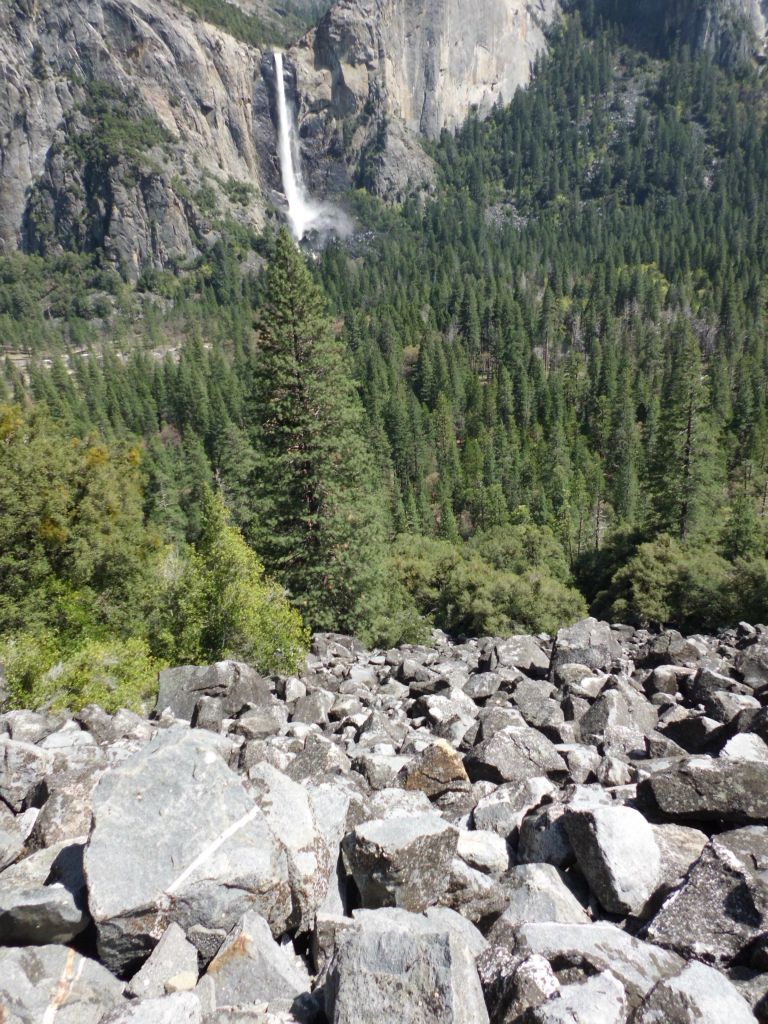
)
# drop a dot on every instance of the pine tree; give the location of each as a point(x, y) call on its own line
point(683, 471)
point(319, 508)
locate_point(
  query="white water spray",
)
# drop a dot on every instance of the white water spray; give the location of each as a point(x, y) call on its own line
point(303, 212)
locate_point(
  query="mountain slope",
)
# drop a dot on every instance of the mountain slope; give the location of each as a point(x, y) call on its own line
point(80, 86)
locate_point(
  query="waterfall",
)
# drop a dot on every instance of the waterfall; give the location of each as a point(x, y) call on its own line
point(302, 212)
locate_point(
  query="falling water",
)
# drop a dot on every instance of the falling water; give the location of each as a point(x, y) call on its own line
point(302, 212)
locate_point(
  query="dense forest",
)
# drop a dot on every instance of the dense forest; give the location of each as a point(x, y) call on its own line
point(539, 389)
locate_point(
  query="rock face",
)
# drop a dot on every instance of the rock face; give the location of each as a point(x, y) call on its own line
point(150, 62)
point(386, 838)
point(376, 72)
point(194, 110)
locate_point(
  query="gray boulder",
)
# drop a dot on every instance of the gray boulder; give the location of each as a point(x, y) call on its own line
point(212, 852)
point(177, 1008)
point(40, 916)
point(679, 848)
point(709, 789)
point(589, 643)
point(13, 835)
point(438, 769)
point(66, 807)
point(403, 862)
point(514, 754)
point(536, 892)
point(697, 995)
point(598, 1000)
point(252, 968)
point(617, 853)
point(503, 811)
point(50, 983)
point(290, 815)
point(722, 906)
point(521, 652)
point(403, 973)
point(596, 948)
point(234, 683)
point(171, 957)
point(22, 767)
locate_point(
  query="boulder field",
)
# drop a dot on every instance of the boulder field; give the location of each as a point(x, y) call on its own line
point(567, 830)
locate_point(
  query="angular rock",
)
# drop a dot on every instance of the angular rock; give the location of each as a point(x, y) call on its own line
point(589, 643)
point(54, 983)
point(638, 965)
point(598, 1000)
point(615, 711)
point(173, 955)
point(234, 683)
point(391, 973)
point(697, 995)
point(66, 807)
point(521, 652)
point(504, 810)
point(722, 906)
point(709, 789)
point(679, 848)
point(291, 818)
point(22, 767)
point(438, 769)
point(536, 892)
point(12, 837)
point(252, 968)
point(617, 853)
point(41, 916)
point(514, 754)
point(483, 850)
point(213, 854)
point(403, 862)
point(177, 1008)
point(208, 714)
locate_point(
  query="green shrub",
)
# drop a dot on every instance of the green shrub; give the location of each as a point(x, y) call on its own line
point(113, 674)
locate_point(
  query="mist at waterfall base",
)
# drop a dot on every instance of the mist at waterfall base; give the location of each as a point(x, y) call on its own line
point(305, 215)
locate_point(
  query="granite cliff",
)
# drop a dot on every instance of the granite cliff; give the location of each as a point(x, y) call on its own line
point(134, 128)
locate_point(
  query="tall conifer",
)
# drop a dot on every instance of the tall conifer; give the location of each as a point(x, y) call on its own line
point(319, 522)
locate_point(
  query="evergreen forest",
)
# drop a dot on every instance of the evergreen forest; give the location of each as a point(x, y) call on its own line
point(535, 391)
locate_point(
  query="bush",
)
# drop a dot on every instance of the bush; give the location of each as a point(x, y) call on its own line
point(498, 583)
point(113, 674)
point(668, 584)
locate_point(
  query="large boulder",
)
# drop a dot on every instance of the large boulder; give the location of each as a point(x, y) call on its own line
point(520, 652)
point(23, 767)
point(212, 856)
point(40, 916)
point(595, 948)
point(722, 906)
point(709, 789)
point(290, 815)
point(535, 892)
point(514, 754)
point(252, 968)
point(174, 1008)
point(617, 853)
point(54, 983)
point(589, 643)
point(401, 862)
point(697, 995)
point(234, 683)
point(171, 958)
point(598, 1000)
point(403, 971)
point(438, 769)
